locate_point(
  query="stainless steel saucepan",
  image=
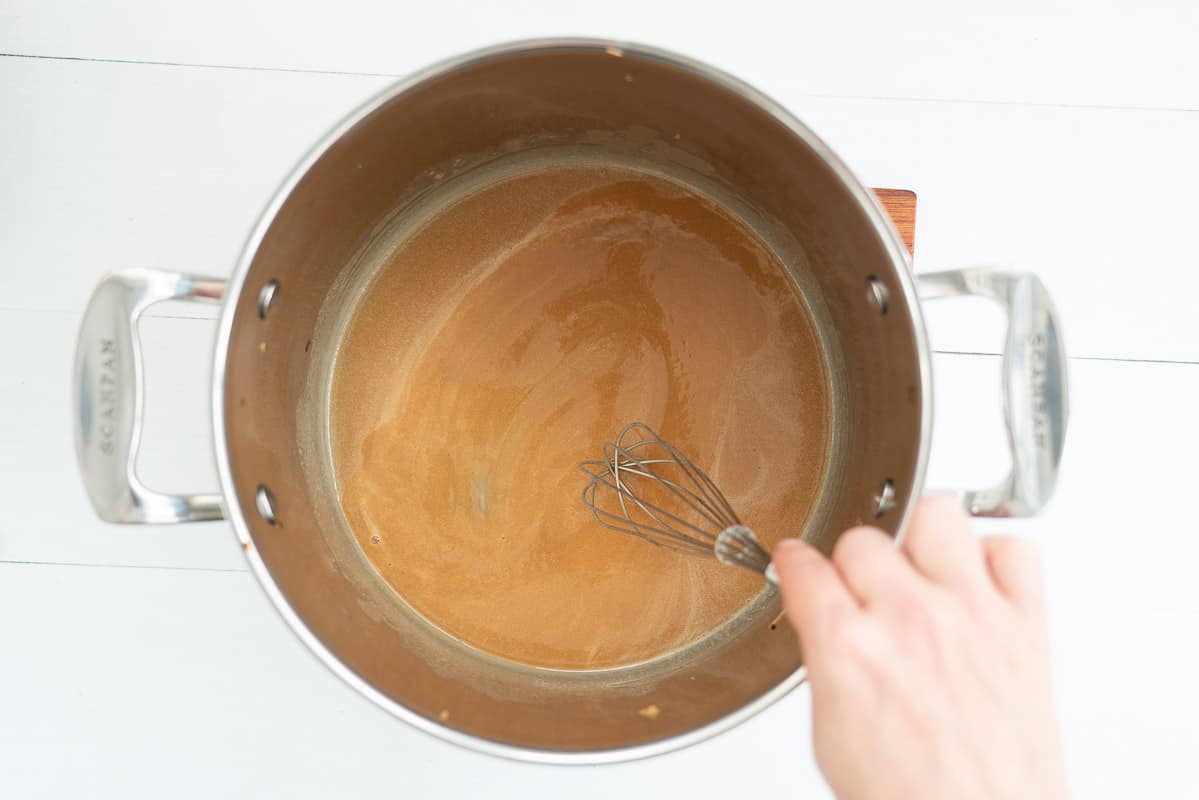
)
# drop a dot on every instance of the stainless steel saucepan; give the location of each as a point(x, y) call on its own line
point(283, 308)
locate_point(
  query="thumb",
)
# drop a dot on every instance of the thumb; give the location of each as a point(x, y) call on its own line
point(813, 593)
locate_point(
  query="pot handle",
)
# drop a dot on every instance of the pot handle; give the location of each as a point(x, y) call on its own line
point(108, 394)
point(1034, 385)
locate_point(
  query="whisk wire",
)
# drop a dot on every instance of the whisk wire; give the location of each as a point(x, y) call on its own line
point(712, 500)
point(705, 507)
point(624, 522)
point(641, 471)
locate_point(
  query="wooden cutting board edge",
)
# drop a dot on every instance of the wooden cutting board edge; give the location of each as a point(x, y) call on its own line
point(901, 207)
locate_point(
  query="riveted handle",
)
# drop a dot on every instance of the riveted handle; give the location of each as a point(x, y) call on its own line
point(1034, 385)
point(108, 395)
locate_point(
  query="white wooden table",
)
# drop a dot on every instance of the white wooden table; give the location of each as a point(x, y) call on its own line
point(144, 662)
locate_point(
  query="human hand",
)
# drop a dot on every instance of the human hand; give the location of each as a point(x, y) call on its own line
point(928, 663)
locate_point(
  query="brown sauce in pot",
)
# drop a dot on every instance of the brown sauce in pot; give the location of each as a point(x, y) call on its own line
point(512, 334)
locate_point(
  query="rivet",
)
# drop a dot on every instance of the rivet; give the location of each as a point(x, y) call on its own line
point(884, 501)
point(877, 294)
point(266, 297)
point(265, 501)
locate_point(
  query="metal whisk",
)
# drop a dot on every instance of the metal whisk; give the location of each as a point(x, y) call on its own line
point(645, 487)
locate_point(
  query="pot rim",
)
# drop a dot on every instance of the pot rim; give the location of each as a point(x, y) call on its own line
point(866, 199)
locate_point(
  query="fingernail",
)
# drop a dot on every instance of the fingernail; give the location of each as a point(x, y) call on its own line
point(791, 545)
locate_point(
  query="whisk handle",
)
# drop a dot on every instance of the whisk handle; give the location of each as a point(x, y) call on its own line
point(771, 575)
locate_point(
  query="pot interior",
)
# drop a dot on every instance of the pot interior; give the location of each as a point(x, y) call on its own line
point(390, 162)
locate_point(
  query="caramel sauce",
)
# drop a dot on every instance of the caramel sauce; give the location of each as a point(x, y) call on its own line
point(507, 339)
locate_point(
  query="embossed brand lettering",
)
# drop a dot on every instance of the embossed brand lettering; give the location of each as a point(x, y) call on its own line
point(1040, 417)
point(107, 396)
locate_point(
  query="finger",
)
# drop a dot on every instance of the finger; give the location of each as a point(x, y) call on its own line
point(1015, 568)
point(943, 548)
point(869, 564)
point(814, 596)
